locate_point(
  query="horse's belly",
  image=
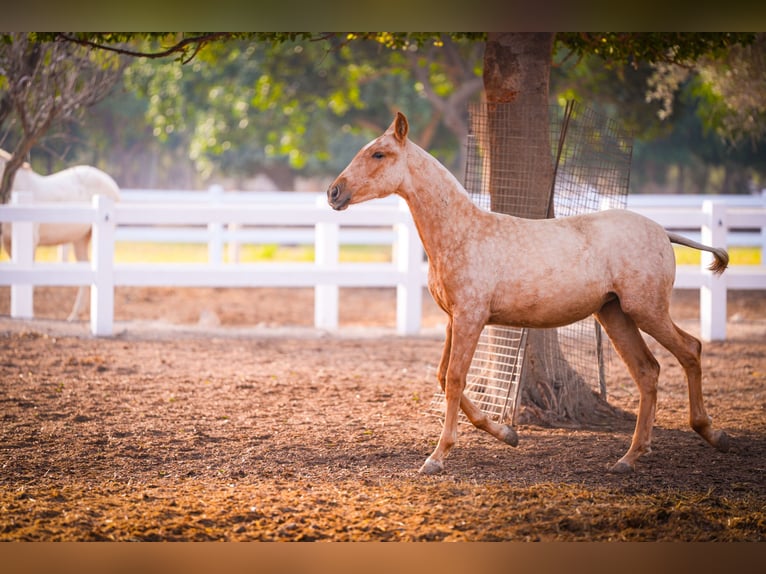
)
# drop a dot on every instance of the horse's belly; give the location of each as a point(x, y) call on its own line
point(543, 318)
point(544, 310)
point(56, 234)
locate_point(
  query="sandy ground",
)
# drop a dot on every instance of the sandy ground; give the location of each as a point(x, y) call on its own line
point(221, 414)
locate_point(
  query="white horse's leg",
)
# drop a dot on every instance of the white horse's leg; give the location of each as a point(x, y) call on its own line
point(687, 349)
point(81, 254)
point(645, 371)
point(463, 340)
point(5, 237)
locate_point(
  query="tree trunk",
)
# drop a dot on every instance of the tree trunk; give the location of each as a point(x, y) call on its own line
point(516, 81)
point(13, 165)
point(517, 72)
point(8, 175)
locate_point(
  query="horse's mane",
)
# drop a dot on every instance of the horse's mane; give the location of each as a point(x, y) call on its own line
point(441, 167)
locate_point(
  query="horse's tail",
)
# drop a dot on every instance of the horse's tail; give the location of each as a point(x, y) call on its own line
point(721, 257)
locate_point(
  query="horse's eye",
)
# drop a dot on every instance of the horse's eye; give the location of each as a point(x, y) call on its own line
point(378, 155)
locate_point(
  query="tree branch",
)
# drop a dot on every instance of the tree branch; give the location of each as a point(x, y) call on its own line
point(179, 47)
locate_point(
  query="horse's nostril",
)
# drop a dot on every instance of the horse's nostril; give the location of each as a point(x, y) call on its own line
point(334, 192)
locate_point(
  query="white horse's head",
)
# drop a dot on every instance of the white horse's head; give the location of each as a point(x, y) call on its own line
point(377, 170)
point(4, 158)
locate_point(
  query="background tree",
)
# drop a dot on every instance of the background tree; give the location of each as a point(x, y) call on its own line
point(698, 125)
point(609, 71)
point(284, 106)
point(45, 82)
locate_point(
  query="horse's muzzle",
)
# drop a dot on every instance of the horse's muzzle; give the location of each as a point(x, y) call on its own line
point(336, 198)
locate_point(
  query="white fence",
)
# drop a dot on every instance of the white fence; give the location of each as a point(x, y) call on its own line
point(326, 274)
point(232, 235)
point(230, 219)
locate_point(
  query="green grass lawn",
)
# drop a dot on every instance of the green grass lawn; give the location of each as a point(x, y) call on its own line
point(737, 256)
point(196, 253)
point(133, 252)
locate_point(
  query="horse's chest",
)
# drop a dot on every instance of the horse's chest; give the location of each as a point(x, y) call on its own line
point(438, 292)
point(452, 287)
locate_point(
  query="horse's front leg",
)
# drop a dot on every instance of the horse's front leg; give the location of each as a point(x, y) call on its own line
point(81, 255)
point(441, 373)
point(458, 352)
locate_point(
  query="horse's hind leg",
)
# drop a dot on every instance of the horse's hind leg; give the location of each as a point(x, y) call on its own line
point(81, 254)
point(645, 371)
point(687, 349)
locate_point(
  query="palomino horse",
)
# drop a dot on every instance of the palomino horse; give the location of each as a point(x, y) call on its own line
point(79, 183)
point(488, 268)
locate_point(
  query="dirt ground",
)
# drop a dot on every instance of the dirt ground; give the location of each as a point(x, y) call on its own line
point(221, 414)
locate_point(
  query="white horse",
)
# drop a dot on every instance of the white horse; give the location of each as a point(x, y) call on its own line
point(75, 184)
point(489, 268)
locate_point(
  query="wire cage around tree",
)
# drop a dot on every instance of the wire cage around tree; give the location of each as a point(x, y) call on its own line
point(591, 156)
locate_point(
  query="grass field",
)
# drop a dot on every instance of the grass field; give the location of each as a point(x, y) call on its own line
point(197, 253)
point(737, 256)
point(132, 252)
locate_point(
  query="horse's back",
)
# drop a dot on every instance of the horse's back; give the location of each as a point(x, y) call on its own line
point(78, 183)
point(614, 250)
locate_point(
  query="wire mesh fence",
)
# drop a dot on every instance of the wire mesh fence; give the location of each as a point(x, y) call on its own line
point(492, 383)
point(581, 165)
point(592, 173)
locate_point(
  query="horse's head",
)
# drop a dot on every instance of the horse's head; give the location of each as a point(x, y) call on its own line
point(376, 171)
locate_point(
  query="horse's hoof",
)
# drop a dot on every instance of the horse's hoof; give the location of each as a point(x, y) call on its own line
point(510, 436)
point(621, 468)
point(431, 467)
point(721, 441)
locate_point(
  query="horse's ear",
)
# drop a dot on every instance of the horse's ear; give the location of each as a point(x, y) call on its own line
point(401, 127)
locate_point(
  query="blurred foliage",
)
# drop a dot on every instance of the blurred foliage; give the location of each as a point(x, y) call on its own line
point(241, 107)
point(200, 106)
point(620, 48)
point(699, 124)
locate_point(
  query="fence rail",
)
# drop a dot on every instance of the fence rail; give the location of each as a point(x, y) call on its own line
point(326, 274)
point(679, 212)
point(229, 219)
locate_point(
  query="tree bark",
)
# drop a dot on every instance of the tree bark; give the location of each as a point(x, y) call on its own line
point(516, 81)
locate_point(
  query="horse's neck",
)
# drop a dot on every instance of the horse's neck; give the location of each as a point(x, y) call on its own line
point(26, 180)
point(442, 210)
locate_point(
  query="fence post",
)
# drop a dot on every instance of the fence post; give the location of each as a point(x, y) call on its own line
point(713, 290)
point(326, 254)
point(763, 230)
point(234, 247)
point(409, 294)
point(102, 264)
point(22, 253)
point(215, 230)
